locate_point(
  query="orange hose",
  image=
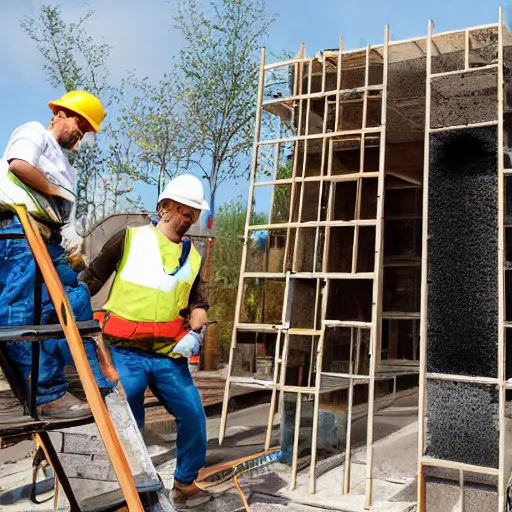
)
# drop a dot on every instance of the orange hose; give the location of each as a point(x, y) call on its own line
point(241, 493)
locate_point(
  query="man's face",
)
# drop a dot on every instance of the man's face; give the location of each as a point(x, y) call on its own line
point(180, 216)
point(69, 128)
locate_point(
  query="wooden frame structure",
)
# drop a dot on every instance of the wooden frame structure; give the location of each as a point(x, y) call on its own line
point(502, 472)
point(347, 118)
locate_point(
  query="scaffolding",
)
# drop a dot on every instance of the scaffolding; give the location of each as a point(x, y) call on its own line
point(493, 74)
point(336, 299)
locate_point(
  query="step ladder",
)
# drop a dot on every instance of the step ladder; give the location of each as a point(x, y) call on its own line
point(73, 332)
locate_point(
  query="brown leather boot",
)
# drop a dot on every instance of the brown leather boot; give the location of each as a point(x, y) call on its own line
point(67, 406)
point(188, 496)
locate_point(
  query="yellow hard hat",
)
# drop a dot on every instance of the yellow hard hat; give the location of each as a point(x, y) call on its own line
point(84, 104)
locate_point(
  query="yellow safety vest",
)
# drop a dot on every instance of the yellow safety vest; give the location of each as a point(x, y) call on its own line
point(150, 285)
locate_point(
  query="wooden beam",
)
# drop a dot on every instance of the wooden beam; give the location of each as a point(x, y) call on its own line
point(405, 176)
point(422, 505)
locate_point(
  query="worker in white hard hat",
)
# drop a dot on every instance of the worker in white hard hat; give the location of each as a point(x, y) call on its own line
point(35, 171)
point(154, 314)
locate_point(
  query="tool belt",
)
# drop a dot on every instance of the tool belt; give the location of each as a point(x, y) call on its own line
point(122, 329)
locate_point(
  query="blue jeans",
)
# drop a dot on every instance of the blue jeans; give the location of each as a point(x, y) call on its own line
point(17, 279)
point(170, 381)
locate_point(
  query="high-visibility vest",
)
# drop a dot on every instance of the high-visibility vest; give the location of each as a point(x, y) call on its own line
point(152, 285)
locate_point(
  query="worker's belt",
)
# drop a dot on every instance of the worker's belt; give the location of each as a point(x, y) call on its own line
point(117, 327)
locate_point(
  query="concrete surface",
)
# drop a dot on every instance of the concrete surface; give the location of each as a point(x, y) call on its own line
point(268, 489)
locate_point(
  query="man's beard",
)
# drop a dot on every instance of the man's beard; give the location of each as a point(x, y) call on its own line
point(182, 226)
point(68, 142)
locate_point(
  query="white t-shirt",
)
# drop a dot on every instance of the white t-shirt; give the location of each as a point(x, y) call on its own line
point(33, 143)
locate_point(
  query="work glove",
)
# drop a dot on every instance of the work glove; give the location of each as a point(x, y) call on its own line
point(72, 245)
point(189, 345)
point(72, 241)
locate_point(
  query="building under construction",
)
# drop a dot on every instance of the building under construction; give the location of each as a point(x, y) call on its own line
point(384, 261)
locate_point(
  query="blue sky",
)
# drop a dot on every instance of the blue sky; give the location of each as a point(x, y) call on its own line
point(144, 41)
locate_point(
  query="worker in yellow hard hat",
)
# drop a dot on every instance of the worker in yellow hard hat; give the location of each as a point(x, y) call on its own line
point(83, 106)
point(35, 171)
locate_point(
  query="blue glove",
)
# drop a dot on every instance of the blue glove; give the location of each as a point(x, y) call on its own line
point(189, 345)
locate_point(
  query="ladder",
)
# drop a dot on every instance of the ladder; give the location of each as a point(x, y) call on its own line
point(73, 332)
point(315, 286)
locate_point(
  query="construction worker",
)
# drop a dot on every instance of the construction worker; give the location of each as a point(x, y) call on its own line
point(154, 314)
point(35, 171)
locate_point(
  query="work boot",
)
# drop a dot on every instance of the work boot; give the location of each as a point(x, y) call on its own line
point(188, 496)
point(65, 407)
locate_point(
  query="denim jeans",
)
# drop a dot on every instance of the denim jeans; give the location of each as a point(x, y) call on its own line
point(170, 381)
point(17, 280)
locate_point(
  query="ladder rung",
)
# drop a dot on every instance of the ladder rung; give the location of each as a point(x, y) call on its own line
point(41, 332)
point(307, 390)
point(32, 427)
point(348, 376)
point(347, 323)
point(332, 275)
point(260, 327)
point(464, 71)
point(250, 382)
point(304, 332)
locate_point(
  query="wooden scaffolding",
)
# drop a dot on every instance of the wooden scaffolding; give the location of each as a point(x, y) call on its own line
point(469, 75)
point(330, 301)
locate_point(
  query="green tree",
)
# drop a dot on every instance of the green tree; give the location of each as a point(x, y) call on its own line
point(154, 120)
point(220, 67)
point(229, 241)
point(73, 60)
point(227, 253)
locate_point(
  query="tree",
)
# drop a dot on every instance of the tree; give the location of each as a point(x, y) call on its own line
point(73, 60)
point(155, 122)
point(226, 256)
point(220, 67)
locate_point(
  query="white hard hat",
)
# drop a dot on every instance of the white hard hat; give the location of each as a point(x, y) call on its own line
point(185, 189)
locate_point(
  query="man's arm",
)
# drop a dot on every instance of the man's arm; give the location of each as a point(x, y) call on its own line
point(199, 293)
point(198, 303)
point(101, 268)
point(23, 155)
point(32, 177)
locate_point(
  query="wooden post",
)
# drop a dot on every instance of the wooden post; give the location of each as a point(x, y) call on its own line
point(348, 443)
point(424, 285)
point(502, 483)
point(296, 439)
point(377, 280)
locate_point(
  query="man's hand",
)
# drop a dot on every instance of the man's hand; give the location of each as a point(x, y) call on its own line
point(189, 345)
point(198, 319)
point(72, 245)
